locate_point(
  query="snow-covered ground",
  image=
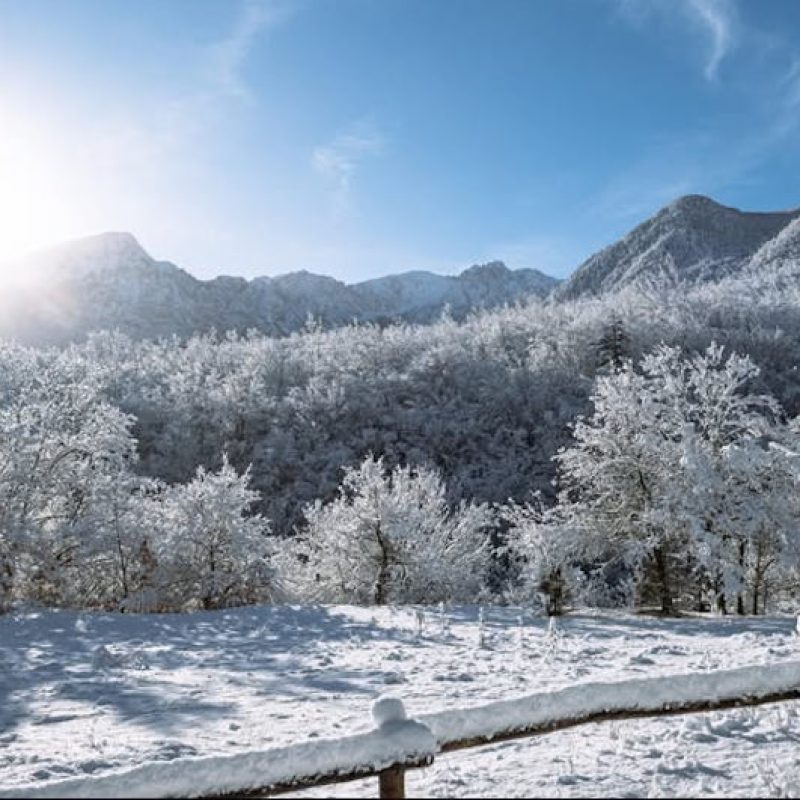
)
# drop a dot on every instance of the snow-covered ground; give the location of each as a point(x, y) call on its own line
point(86, 694)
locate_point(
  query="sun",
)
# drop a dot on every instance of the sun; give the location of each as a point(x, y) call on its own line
point(35, 206)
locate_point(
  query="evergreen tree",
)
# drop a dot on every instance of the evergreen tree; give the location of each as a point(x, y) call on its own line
point(613, 346)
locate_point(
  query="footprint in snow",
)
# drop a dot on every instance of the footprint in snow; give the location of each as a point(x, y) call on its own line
point(394, 656)
point(463, 677)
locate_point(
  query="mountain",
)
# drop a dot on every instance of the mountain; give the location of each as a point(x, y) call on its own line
point(110, 281)
point(693, 239)
point(421, 296)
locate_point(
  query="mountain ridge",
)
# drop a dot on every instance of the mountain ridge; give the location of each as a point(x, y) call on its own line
point(110, 281)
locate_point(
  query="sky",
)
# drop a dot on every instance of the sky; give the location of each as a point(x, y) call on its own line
point(358, 138)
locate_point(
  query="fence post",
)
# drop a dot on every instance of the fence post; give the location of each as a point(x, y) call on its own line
point(392, 782)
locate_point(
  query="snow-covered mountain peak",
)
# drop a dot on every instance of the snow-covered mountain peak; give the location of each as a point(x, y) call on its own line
point(692, 203)
point(97, 253)
point(493, 270)
point(303, 280)
point(693, 239)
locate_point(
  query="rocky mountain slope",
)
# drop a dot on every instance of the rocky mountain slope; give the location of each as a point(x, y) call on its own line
point(691, 240)
point(109, 281)
point(780, 253)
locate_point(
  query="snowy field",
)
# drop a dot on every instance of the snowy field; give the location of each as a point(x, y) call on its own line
point(86, 694)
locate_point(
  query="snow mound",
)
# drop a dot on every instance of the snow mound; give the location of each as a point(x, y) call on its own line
point(386, 710)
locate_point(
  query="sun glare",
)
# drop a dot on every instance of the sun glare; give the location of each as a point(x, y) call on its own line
point(35, 206)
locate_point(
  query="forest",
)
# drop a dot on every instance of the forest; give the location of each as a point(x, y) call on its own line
point(637, 449)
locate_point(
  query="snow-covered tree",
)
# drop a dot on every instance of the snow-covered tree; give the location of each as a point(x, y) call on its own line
point(545, 548)
point(210, 553)
point(762, 512)
point(725, 462)
point(61, 445)
point(650, 470)
point(616, 477)
point(487, 401)
point(389, 537)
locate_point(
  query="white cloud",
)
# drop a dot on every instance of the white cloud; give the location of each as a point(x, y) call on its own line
point(338, 161)
point(717, 18)
point(716, 21)
point(147, 139)
point(227, 57)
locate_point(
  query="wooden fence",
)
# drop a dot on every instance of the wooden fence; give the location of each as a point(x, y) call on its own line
point(399, 745)
point(391, 779)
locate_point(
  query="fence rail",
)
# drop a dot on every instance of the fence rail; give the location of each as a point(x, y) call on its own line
point(391, 781)
point(619, 714)
point(398, 744)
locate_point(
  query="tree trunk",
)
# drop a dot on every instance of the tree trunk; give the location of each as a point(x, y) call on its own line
point(719, 593)
point(554, 588)
point(663, 579)
point(208, 598)
point(381, 584)
point(6, 575)
point(123, 563)
point(740, 597)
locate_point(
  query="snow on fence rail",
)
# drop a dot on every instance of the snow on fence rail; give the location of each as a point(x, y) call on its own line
point(399, 744)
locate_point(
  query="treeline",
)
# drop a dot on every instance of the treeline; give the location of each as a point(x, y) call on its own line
point(613, 451)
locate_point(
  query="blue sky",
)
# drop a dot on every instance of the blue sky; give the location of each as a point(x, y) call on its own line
point(362, 137)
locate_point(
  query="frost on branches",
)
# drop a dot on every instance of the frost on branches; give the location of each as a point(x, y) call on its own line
point(544, 547)
point(675, 477)
point(211, 553)
point(389, 537)
point(664, 464)
point(65, 467)
point(78, 527)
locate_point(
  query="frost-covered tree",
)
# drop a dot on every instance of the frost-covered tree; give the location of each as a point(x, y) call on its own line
point(762, 513)
point(545, 548)
point(389, 537)
point(210, 553)
point(61, 445)
point(117, 565)
point(616, 477)
point(487, 401)
point(650, 470)
point(725, 461)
